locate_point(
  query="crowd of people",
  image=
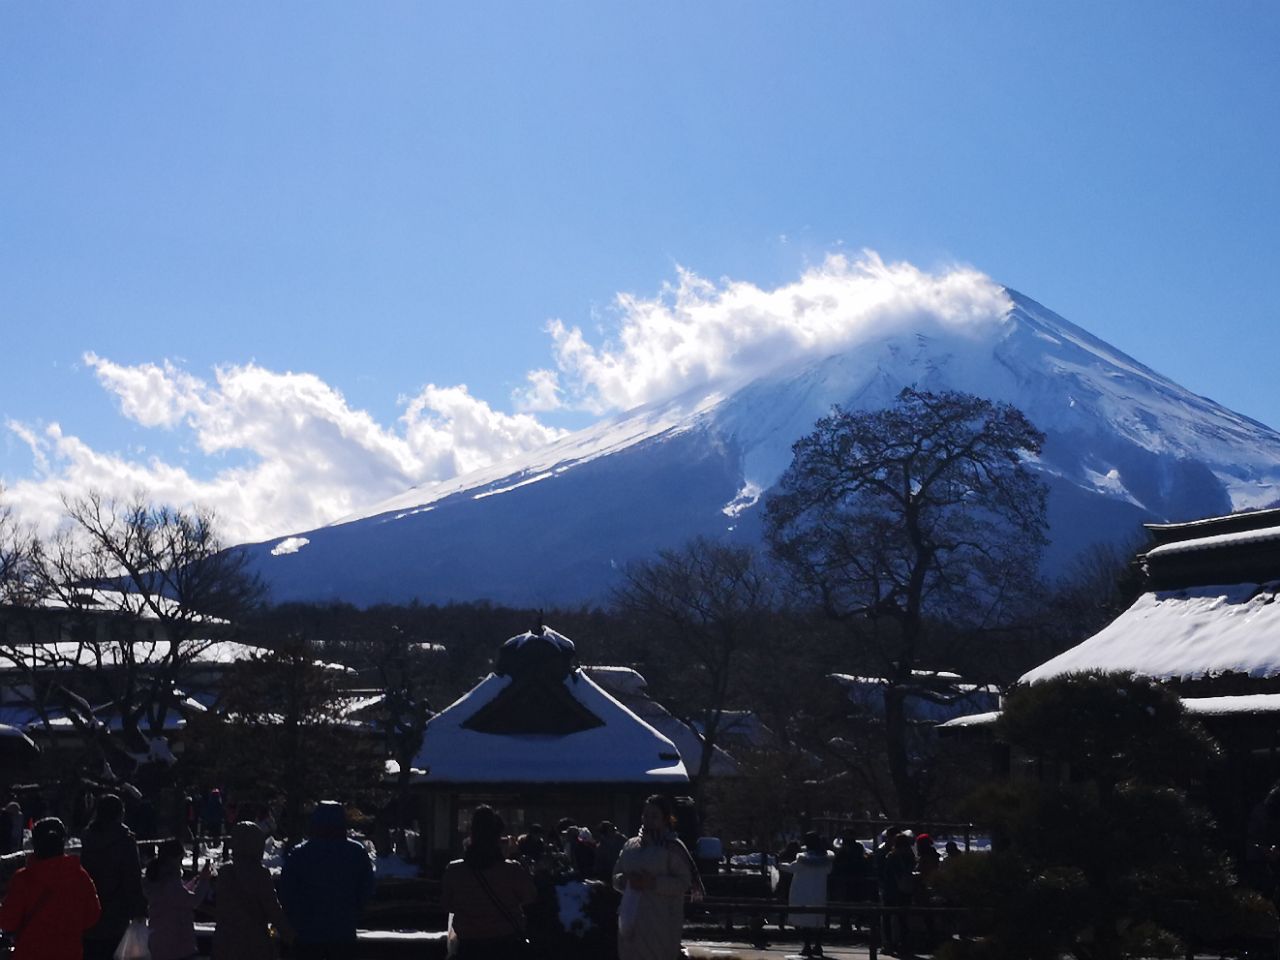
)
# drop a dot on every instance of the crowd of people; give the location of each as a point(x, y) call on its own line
point(490, 891)
point(897, 873)
point(63, 907)
point(60, 906)
point(571, 848)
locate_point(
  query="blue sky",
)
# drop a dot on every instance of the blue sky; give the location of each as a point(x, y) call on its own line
point(377, 198)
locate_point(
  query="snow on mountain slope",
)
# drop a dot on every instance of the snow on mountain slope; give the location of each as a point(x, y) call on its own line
point(608, 436)
point(1124, 445)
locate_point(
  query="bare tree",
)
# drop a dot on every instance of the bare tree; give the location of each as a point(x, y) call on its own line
point(17, 549)
point(918, 514)
point(115, 608)
point(704, 609)
point(282, 728)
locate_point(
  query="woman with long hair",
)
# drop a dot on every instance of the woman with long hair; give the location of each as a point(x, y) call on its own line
point(653, 873)
point(486, 893)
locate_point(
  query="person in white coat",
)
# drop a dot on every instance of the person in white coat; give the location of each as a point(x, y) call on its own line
point(653, 873)
point(809, 872)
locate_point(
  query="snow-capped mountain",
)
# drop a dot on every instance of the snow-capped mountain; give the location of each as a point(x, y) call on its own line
point(1124, 445)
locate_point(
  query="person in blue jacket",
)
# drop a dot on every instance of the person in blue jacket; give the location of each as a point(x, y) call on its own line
point(324, 886)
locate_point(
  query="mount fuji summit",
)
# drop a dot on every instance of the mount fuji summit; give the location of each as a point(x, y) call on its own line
point(1124, 446)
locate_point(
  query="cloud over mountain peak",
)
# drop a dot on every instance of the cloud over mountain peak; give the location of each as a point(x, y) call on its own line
point(271, 451)
point(698, 333)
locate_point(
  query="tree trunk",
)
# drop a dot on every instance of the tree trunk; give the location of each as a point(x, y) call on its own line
point(710, 733)
point(895, 736)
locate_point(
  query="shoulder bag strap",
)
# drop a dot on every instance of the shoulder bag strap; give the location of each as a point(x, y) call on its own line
point(694, 876)
point(498, 903)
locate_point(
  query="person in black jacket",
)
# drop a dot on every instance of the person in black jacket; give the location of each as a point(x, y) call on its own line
point(900, 879)
point(851, 875)
point(11, 823)
point(109, 854)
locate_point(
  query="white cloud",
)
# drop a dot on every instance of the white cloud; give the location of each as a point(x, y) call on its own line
point(543, 392)
point(306, 457)
point(462, 433)
point(153, 396)
point(699, 333)
point(313, 457)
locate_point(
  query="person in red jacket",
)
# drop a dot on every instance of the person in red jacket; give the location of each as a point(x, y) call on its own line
point(51, 901)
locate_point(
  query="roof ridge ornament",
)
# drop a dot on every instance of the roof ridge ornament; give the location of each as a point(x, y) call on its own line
point(541, 652)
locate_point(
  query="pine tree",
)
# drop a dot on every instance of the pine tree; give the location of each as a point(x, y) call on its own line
point(281, 731)
point(1100, 854)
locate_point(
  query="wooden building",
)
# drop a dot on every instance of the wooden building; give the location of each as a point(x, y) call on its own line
point(1207, 626)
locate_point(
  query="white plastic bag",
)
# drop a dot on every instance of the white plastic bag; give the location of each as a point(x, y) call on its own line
point(134, 945)
point(628, 913)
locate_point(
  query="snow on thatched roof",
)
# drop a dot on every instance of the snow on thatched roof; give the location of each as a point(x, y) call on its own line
point(1240, 706)
point(1216, 541)
point(611, 744)
point(100, 600)
point(630, 687)
point(1184, 634)
point(1248, 704)
point(110, 653)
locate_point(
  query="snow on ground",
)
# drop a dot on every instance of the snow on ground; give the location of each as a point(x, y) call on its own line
point(289, 545)
point(494, 491)
point(746, 498)
point(377, 936)
point(572, 899)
